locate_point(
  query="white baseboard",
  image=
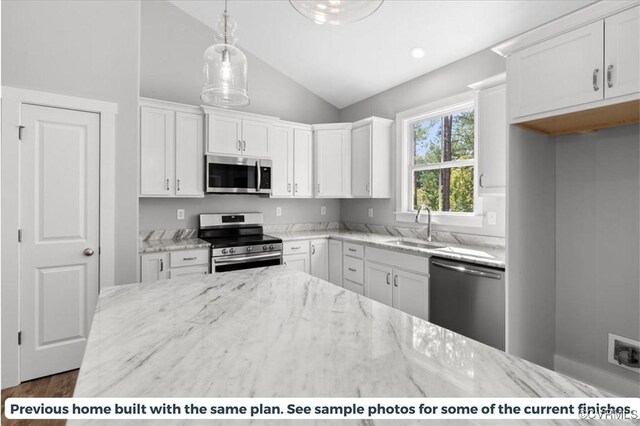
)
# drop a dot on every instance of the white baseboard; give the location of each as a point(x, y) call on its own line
point(597, 377)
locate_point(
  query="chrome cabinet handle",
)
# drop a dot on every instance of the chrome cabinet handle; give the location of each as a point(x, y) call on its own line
point(388, 277)
point(189, 258)
point(88, 252)
point(258, 176)
point(480, 183)
point(295, 189)
point(351, 249)
point(244, 145)
point(351, 269)
point(610, 76)
point(318, 188)
point(367, 188)
point(395, 281)
point(595, 79)
point(161, 265)
point(296, 248)
point(167, 184)
point(178, 185)
point(313, 249)
point(288, 187)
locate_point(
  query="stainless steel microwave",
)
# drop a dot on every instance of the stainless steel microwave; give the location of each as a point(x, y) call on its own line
point(237, 175)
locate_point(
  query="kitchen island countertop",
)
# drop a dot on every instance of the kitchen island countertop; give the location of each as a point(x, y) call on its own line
point(270, 332)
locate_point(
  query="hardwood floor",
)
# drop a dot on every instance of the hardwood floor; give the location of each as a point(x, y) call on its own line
point(58, 385)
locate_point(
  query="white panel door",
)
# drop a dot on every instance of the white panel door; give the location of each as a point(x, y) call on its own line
point(223, 135)
point(557, 73)
point(491, 111)
point(156, 151)
point(410, 293)
point(256, 135)
point(189, 157)
point(335, 262)
point(303, 163)
point(622, 53)
point(299, 262)
point(361, 162)
point(282, 162)
point(330, 174)
point(378, 283)
point(59, 207)
point(320, 259)
point(154, 267)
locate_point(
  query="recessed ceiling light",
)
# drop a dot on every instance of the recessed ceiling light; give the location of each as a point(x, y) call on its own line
point(417, 52)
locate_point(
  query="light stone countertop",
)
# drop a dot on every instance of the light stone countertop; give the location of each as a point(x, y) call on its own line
point(270, 332)
point(479, 255)
point(154, 246)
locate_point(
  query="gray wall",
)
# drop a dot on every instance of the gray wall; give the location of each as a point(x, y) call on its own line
point(172, 44)
point(597, 249)
point(441, 83)
point(86, 49)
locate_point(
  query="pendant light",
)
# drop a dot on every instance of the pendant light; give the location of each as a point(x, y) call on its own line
point(336, 12)
point(225, 68)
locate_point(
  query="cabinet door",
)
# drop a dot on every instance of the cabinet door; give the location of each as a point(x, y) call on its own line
point(354, 287)
point(154, 267)
point(557, 73)
point(622, 53)
point(299, 262)
point(189, 157)
point(156, 151)
point(320, 259)
point(302, 163)
point(377, 284)
point(333, 174)
point(255, 135)
point(361, 162)
point(491, 111)
point(410, 293)
point(335, 262)
point(282, 162)
point(223, 135)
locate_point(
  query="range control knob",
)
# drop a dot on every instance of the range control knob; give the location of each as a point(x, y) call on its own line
point(249, 249)
point(232, 250)
point(224, 251)
point(271, 247)
point(265, 248)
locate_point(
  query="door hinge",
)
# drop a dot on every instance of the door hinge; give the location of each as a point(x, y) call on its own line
point(19, 338)
point(19, 235)
point(20, 128)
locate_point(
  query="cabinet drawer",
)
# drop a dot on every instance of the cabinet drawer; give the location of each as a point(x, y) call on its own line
point(189, 270)
point(356, 288)
point(355, 250)
point(189, 257)
point(353, 269)
point(295, 247)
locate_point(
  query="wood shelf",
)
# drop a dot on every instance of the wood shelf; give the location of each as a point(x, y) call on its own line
point(592, 119)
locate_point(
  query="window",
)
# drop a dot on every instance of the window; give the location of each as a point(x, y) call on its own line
point(437, 161)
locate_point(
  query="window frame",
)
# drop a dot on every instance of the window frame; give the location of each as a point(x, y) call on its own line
point(405, 168)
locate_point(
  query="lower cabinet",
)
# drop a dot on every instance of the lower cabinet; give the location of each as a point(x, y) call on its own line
point(353, 267)
point(173, 264)
point(295, 255)
point(310, 256)
point(320, 258)
point(335, 262)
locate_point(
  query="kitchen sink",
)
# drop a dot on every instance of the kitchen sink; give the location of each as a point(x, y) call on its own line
point(415, 243)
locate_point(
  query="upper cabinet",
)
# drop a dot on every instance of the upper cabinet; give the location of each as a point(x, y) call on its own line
point(370, 158)
point(491, 132)
point(583, 68)
point(333, 160)
point(292, 157)
point(171, 137)
point(238, 133)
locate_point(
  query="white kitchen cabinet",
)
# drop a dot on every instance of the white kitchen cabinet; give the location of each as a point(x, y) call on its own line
point(174, 263)
point(622, 53)
point(370, 158)
point(356, 288)
point(491, 133)
point(378, 279)
point(410, 293)
point(299, 262)
point(171, 159)
point(292, 157)
point(332, 160)
point(353, 267)
point(335, 262)
point(238, 133)
point(320, 258)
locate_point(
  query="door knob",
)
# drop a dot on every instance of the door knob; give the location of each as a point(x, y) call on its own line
point(88, 252)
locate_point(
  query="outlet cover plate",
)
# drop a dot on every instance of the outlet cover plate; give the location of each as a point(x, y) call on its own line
point(323, 210)
point(278, 211)
point(370, 212)
point(180, 214)
point(615, 340)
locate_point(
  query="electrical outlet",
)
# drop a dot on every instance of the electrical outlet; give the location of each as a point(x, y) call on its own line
point(323, 210)
point(624, 352)
point(180, 214)
point(491, 218)
point(370, 212)
point(278, 211)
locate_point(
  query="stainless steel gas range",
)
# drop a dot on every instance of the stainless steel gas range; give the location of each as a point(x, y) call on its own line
point(238, 242)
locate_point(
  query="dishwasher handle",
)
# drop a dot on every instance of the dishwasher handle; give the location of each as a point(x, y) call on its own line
point(466, 270)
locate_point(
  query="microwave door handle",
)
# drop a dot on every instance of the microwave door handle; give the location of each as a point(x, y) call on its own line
point(258, 173)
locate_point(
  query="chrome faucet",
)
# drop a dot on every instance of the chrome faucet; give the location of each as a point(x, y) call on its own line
point(424, 206)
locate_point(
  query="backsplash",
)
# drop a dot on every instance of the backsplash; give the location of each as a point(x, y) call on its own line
point(298, 227)
point(167, 234)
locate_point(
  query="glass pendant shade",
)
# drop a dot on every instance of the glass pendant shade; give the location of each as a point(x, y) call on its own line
point(336, 12)
point(225, 69)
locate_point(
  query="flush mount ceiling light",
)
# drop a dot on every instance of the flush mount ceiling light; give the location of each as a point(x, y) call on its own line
point(417, 52)
point(225, 68)
point(336, 12)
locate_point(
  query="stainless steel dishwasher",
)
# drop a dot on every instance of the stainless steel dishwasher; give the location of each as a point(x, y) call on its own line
point(468, 299)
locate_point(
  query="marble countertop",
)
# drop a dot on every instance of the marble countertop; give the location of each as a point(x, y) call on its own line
point(479, 255)
point(271, 332)
point(154, 246)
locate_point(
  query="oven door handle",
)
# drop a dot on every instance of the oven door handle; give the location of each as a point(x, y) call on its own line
point(240, 259)
point(258, 174)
